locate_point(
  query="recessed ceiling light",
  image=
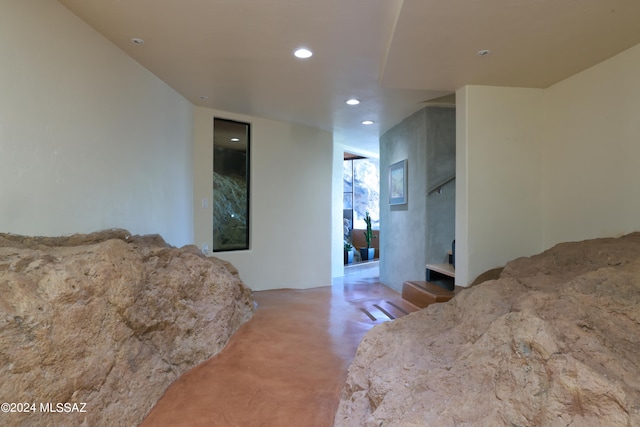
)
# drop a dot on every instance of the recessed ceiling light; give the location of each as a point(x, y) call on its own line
point(303, 53)
point(235, 139)
point(483, 52)
point(367, 122)
point(353, 101)
point(137, 41)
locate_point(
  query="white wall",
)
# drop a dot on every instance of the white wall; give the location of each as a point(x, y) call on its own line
point(291, 194)
point(592, 173)
point(498, 185)
point(89, 139)
point(462, 211)
point(539, 167)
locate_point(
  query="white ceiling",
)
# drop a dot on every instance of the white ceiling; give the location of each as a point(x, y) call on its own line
point(393, 55)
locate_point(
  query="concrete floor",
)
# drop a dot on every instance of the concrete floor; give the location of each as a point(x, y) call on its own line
point(287, 365)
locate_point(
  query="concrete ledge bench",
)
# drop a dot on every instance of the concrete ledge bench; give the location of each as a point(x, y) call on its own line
point(440, 269)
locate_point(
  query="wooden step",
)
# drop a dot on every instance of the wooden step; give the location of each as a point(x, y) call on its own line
point(421, 294)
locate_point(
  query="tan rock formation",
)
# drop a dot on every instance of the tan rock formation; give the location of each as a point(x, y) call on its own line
point(107, 319)
point(555, 341)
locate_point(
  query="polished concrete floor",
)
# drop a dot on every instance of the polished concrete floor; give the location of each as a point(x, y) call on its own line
point(287, 365)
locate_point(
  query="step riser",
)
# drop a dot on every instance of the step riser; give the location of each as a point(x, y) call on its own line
point(423, 295)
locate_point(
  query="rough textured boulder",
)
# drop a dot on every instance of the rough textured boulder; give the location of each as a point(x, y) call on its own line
point(107, 319)
point(555, 341)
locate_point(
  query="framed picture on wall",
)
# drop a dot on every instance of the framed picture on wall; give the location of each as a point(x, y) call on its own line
point(398, 183)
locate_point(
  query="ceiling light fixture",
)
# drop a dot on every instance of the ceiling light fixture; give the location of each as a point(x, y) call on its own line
point(235, 139)
point(483, 52)
point(137, 41)
point(367, 122)
point(303, 53)
point(353, 101)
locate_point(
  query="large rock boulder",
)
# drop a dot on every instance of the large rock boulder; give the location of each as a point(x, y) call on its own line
point(555, 341)
point(107, 321)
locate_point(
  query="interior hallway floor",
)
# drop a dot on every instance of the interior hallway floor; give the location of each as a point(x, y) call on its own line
point(288, 364)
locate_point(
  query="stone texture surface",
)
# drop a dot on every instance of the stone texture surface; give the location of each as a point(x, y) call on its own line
point(555, 341)
point(108, 319)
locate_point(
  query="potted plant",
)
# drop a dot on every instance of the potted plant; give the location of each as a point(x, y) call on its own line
point(368, 252)
point(348, 253)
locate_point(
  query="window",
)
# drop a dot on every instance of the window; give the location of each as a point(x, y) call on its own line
point(231, 141)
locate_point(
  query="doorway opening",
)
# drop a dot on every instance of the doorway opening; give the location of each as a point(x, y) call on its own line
point(361, 209)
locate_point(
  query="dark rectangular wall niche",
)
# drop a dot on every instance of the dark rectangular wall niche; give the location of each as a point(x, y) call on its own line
point(231, 142)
